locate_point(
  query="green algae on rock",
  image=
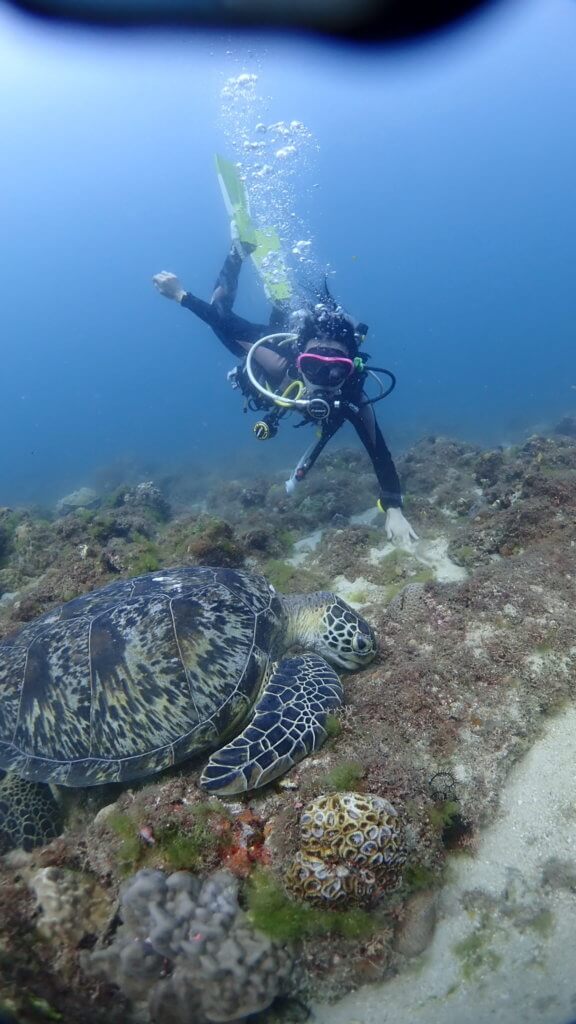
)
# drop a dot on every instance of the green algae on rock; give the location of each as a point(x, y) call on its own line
point(191, 842)
point(287, 920)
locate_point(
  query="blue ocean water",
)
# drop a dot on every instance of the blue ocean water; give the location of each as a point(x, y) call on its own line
point(437, 187)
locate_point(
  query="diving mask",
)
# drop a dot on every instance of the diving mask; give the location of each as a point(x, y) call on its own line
point(328, 370)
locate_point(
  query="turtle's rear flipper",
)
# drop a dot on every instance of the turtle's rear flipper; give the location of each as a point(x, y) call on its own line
point(289, 723)
point(29, 814)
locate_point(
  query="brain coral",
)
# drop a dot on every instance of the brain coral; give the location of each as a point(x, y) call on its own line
point(351, 848)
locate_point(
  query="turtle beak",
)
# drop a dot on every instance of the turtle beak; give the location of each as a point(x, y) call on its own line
point(347, 664)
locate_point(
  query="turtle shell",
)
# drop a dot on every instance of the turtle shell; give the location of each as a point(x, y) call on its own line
point(135, 677)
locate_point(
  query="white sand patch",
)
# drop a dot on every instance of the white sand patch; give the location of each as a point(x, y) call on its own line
point(450, 513)
point(368, 518)
point(505, 953)
point(547, 661)
point(476, 635)
point(511, 611)
point(359, 592)
point(305, 547)
point(377, 555)
point(434, 553)
point(431, 553)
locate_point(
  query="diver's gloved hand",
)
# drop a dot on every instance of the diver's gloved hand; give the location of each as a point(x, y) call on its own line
point(169, 286)
point(398, 529)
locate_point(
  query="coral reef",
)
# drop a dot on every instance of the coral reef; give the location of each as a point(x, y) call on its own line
point(7, 529)
point(351, 849)
point(72, 905)
point(213, 543)
point(470, 665)
point(147, 498)
point(186, 943)
point(40, 979)
point(84, 497)
point(567, 425)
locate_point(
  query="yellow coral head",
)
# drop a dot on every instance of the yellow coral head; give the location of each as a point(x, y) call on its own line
point(322, 622)
point(351, 849)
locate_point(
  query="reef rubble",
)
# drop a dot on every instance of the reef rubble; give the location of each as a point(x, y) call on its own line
point(477, 655)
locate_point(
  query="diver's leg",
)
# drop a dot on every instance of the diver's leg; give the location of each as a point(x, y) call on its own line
point(233, 331)
point(236, 333)
point(279, 317)
point(226, 286)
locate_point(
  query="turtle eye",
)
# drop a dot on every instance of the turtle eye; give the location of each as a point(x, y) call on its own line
point(361, 644)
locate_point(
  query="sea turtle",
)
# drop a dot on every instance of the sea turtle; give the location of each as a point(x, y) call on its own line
point(144, 673)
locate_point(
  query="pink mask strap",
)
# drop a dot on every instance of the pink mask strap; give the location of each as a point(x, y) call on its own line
point(324, 359)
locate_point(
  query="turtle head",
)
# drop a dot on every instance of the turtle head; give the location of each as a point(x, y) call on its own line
point(324, 623)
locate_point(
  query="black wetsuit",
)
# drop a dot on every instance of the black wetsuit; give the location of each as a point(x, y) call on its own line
point(238, 335)
point(366, 426)
point(232, 330)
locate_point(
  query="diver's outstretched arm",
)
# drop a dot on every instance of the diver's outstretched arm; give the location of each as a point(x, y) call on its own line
point(170, 287)
point(398, 529)
point(223, 296)
point(307, 460)
point(236, 333)
point(366, 426)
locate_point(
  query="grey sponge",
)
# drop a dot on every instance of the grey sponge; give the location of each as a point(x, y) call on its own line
point(189, 950)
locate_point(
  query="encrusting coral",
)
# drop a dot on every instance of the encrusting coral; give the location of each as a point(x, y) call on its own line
point(71, 904)
point(351, 849)
point(186, 943)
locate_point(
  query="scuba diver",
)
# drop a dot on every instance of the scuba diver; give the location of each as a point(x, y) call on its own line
point(307, 362)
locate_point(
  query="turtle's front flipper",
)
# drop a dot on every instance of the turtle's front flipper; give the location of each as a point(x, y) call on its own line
point(29, 814)
point(288, 724)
